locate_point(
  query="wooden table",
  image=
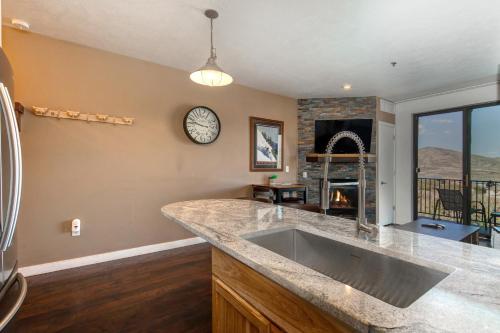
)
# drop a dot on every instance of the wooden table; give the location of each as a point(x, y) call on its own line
point(452, 231)
point(279, 189)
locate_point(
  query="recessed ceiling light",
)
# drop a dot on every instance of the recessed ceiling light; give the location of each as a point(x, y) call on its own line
point(20, 24)
point(347, 86)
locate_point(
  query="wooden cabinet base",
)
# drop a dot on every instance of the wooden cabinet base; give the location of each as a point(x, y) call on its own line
point(244, 301)
point(232, 314)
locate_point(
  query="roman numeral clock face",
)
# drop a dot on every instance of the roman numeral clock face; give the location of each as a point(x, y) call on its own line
point(201, 125)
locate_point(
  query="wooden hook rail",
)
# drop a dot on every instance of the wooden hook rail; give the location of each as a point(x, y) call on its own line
point(77, 115)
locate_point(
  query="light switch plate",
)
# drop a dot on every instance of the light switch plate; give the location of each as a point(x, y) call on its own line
point(304, 174)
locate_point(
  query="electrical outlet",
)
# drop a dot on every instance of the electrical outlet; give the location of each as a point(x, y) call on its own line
point(304, 174)
point(75, 227)
point(287, 168)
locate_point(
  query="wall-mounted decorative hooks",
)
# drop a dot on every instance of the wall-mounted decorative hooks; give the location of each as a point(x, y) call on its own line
point(77, 115)
point(39, 111)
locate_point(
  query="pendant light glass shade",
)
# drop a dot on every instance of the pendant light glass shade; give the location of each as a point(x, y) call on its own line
point(211, 74)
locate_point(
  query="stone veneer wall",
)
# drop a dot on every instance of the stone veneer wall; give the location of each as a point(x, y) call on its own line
point(313, 109)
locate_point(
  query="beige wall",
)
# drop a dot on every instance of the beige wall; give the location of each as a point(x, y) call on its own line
point(1, 27)
point(116, 178)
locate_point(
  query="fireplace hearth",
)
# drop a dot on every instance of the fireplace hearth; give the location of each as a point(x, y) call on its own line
point(343, 197)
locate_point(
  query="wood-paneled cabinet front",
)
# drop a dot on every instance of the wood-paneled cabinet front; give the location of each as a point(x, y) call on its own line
point(232, 314)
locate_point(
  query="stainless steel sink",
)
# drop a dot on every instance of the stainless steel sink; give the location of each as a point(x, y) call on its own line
point(391, 280)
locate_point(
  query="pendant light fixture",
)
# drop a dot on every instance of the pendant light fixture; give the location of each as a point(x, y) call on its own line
point(211, 74)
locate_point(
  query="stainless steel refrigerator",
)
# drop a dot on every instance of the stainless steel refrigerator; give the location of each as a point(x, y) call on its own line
point(12, 284)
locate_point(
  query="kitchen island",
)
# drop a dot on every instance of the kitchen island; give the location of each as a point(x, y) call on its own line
point(467, 299)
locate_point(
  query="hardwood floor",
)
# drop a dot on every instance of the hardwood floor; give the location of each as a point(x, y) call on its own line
point(167, 291)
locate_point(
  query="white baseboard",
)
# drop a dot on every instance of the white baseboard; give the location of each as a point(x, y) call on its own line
point(108, 256)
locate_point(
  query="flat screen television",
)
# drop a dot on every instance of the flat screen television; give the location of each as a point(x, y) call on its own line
point(325, 129)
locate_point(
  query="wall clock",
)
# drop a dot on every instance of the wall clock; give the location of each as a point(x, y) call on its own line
point(201, 125)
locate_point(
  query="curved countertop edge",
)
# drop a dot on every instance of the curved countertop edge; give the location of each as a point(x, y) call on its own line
point(222, 222)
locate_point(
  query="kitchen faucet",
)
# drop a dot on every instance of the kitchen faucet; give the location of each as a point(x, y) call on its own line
point(362, 222)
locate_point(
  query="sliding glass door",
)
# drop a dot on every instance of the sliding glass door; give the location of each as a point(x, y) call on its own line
point(484, 163)
point(440, 166)
point(457, 165)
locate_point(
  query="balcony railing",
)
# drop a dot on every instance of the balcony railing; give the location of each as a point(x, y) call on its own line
point(485, 196)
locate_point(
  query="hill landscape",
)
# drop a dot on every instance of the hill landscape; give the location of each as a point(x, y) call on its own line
point(445, 163)
point(438, 163)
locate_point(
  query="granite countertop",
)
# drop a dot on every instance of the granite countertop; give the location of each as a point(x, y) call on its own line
point(468, 300)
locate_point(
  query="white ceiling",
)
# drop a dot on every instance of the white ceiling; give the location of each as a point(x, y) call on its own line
point(296, 48)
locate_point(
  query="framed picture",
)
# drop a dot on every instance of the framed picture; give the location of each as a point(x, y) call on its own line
point(266, 144)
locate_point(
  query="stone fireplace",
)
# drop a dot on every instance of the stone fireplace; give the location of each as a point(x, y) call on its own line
point(310, 110)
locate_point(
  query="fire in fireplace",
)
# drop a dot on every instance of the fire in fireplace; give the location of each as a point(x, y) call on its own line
point(340, 200)
point(343, 197)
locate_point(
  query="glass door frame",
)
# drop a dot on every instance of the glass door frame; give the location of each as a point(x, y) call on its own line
point(466, 157)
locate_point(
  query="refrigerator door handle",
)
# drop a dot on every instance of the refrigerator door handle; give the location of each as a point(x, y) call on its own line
point(15, 169)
